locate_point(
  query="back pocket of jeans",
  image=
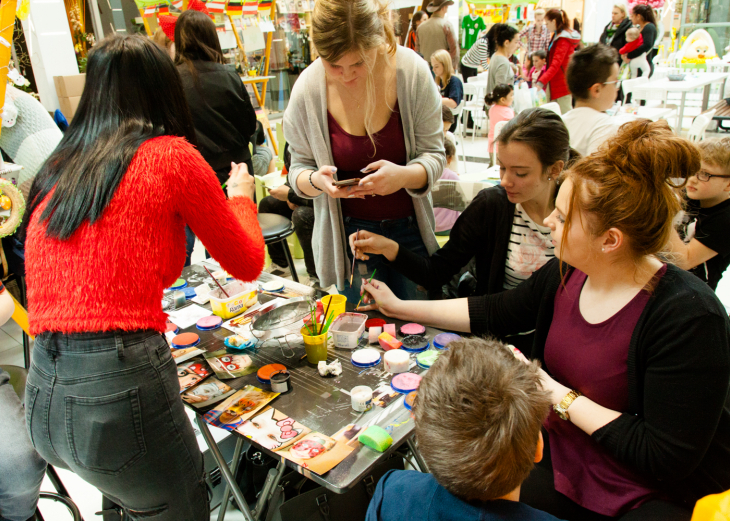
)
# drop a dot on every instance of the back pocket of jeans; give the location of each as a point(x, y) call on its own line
point(105, 432)
point(31, 393)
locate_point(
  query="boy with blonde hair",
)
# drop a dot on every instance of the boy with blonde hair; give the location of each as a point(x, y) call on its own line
point(704, 246)
point(478, 416)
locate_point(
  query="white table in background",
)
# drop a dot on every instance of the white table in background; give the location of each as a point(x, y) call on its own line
point(652, 113)
point(691, 82)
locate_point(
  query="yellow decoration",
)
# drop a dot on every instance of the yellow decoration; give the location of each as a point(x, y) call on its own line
point(698, 48)
point(5, 202)
point(23, 10)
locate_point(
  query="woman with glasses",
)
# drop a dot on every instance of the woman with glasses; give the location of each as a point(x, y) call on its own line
point(704, 247)
point(592, 78)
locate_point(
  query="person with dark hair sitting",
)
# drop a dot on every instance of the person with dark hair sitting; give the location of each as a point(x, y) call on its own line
point(593, 82)
point(284, 201)
point(105, 230)
point(478, 451)
point(263, 157)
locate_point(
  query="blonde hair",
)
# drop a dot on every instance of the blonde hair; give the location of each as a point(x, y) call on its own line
point(633, 33)
point(161, 39)
point(343, 26)
point(622, 8)
point(716, 151)
point(444, 58)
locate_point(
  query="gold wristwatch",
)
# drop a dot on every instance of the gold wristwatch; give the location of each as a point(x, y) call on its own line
point(561, 409)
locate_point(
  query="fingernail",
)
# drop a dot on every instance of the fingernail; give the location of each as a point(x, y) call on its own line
point(333, 169)
point(364, 170)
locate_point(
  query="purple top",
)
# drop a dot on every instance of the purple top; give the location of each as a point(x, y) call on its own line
point(591, 358)
point(446, 218)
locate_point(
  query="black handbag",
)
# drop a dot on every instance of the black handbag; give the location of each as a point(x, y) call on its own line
point(321, 504)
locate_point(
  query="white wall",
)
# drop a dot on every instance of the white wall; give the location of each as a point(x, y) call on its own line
point(50, 47)
point(596, 14)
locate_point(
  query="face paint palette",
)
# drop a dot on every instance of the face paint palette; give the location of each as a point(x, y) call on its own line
point(412, 329)
point(415, 343)
point(273, 286)
point(404, 383)
point(366, 358)
point(185, 340)
point(410, 399)
point(209, 323)
point(179, 284)
point(427, 358)
point(375, 322)
point(264, 374)
point(171, 328)
point(442, 340)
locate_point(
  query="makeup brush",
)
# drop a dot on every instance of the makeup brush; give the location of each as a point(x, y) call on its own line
point(361, 296)
point(354, 256)
point(216, 281)
point(324, 319)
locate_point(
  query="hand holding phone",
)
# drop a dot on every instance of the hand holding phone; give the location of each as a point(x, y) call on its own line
point(346, 182)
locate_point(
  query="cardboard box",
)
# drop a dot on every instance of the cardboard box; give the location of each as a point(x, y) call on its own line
point(69, 106)
point(69, 86)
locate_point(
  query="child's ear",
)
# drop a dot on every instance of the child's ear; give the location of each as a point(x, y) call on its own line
point(539, 449)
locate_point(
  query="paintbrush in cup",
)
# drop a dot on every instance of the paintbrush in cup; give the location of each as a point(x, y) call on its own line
point(216, 281)
point(369, 281)
point(324, 319)
point(354, 256)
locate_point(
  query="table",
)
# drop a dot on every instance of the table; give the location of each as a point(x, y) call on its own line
point(322, 404)
point(652, 113)
point(691, 82)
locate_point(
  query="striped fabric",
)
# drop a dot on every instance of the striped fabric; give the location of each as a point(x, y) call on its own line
point(265, 6)
point(216, 6)
point(177, 3)
point(477, 55)
point(150, 11)
point(234, 9)
point(163, 9)
point(530, 248)
point(250, 7)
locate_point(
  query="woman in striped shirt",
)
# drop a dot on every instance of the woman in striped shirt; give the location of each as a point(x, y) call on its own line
point(476, 57)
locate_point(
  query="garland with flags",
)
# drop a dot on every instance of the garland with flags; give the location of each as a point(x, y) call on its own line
point(234, 9)
point(265, 6)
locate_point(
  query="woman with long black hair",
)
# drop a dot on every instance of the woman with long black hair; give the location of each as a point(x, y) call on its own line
point(223, 116)
point(105, 237)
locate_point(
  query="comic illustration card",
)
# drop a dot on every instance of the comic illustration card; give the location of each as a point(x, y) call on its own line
point(239, 407)
point(272, 429)
point(384, 395)
point(191, 373)
point(207, 393)
point(230, 365)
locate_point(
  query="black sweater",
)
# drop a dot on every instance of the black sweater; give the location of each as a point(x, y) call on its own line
point(619, 38)
point(481, 231)
point(648, 33)
point(677, 426)
point(223, 116)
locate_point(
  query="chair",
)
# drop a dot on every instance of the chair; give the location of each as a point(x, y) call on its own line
point(18, 378)
point(553, 105)
point(629, 86)
point(276, 228)
point(459, 130)
point(699, 126)
point(473, 105)
point(498, 130)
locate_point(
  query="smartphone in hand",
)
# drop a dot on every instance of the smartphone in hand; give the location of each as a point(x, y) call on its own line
point(346, 182)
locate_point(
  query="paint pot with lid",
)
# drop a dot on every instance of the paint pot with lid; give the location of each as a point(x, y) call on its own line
point(441, 341)
point(396, 361)
point(415, 343)
point(362, 398)
point(280, 382)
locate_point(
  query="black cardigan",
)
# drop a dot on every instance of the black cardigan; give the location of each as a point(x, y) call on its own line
point(648, 33)
point(223, 116)
point(619, 38)
point(482, 230)
point(677, 426)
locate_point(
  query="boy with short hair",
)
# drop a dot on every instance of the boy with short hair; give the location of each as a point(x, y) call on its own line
point(704, 246)
point(593, 81)
point(478, 415)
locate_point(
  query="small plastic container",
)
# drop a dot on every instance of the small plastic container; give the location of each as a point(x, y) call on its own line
point(347, 329)
point(243, 295)
point(337, 306)
point(315, 346)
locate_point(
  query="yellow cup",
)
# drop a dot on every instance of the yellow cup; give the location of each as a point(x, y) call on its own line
point(315, 346)
point(337, 307)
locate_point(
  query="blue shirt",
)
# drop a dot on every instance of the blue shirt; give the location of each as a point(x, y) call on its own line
point(454, 90)
point(403, 495)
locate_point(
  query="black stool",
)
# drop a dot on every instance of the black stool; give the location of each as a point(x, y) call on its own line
point(18, 378)
point(276, 228)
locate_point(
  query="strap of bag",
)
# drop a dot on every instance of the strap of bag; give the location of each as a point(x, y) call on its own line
point(324, 508)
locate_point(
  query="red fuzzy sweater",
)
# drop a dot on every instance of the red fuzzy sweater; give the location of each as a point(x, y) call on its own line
point(111, 275)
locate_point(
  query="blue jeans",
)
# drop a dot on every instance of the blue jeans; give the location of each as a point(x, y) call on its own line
point(21, 468)
point(107, 406)
point(403, 231)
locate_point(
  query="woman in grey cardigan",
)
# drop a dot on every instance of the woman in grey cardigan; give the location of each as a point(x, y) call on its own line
point(367, 110)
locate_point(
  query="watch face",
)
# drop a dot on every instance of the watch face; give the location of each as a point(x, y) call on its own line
point(562, 414)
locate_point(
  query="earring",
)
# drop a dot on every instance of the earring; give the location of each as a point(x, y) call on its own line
point(550, 178)
point(603, 249)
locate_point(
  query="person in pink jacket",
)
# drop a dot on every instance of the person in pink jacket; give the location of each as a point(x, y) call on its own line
point(562, 46)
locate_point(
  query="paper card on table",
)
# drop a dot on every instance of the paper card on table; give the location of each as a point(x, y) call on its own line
point(348, 435)
point(239, 407)
point(181, 355)
point(317, 452)
point(272, 429)
point(192, 373)
point(207, 393)
point(230, 365)
point(188, 316)
point(384, 395)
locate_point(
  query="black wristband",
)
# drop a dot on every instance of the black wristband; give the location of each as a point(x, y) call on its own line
point(311, 183)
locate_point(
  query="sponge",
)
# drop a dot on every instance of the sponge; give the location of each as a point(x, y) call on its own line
point(376, 438)
point(390, 329)
point(387, 342)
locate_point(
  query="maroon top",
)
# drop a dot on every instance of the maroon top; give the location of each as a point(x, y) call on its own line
point(353, 153)
point(591, 358)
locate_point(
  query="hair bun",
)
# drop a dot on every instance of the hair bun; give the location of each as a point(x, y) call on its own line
point(650, 150)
